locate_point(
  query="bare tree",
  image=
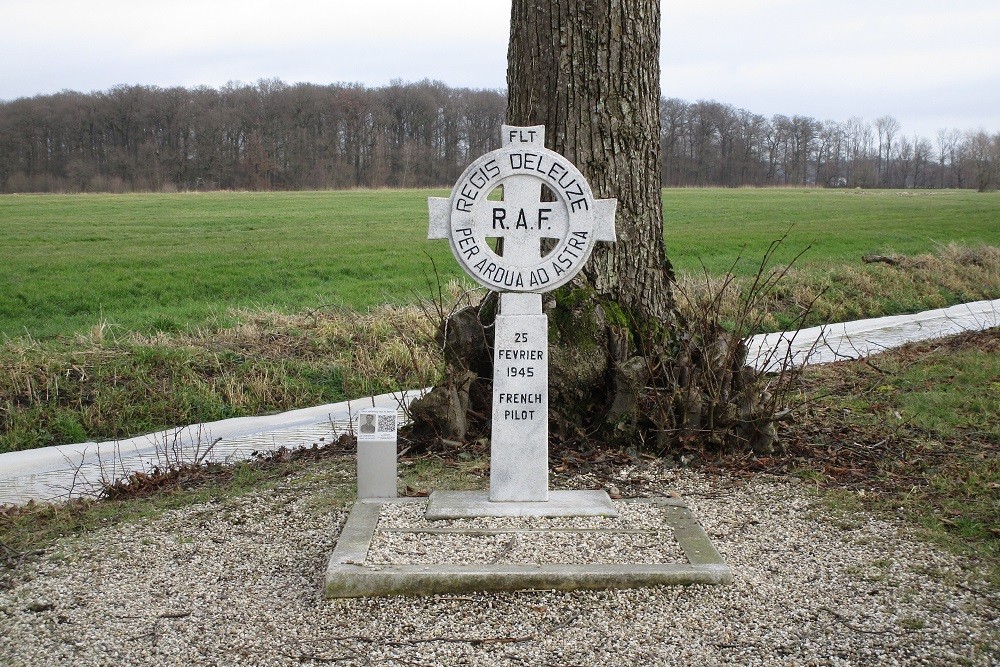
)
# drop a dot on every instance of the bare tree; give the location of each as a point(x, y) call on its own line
point(904, 161)
point(887, 127)
point(410, 134)
point(984, 152)
point(921, 160)
point(859, 149)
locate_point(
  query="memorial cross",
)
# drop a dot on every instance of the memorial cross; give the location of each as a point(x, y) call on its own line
point(574, 222)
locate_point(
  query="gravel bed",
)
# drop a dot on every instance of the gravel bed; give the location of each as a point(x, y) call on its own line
point(630, 516)
point(579, 540)
point(239, 583)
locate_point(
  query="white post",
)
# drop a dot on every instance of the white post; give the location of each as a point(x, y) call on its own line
point(377, 453)
point(519, 446)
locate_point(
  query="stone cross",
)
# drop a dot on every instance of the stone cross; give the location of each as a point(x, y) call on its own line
point(572, 222)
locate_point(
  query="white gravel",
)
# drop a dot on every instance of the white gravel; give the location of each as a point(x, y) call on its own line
point(239, 582)
point(637, 535)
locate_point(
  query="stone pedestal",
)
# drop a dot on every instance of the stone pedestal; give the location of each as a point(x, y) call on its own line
point(519, 450)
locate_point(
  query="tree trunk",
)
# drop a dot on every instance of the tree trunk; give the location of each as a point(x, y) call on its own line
point(589, 72)
point(624, 369)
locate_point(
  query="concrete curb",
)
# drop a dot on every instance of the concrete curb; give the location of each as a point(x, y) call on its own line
point(863, 338)
point(347, 575)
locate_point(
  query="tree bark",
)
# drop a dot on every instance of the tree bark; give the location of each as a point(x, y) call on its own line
point(625, 369)
point(588, 70)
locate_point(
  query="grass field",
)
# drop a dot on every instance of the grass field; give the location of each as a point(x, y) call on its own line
point(838, 226)
point(913, 433)
point(146, 311)
point(165, 262)
point(170, 262)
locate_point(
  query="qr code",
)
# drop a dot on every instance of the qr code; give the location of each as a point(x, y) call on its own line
point(386, 423)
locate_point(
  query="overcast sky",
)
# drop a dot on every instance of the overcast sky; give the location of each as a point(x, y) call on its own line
point(929, 63)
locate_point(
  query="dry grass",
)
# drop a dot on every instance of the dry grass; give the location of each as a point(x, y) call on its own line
point(844, 292)
point(112, 383)
point(109, 383)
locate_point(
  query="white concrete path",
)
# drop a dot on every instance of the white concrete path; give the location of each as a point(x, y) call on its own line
point(863, 338)
point(65, 471)
point(60, 472)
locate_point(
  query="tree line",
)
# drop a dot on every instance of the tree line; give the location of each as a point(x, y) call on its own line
point(709, 143)
point(271, 135)
point(262, 136)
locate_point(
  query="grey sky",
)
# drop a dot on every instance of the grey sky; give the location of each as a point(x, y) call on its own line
point(931, 64)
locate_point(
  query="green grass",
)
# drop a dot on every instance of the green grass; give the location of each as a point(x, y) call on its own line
point(151, 311)
point(128, 387)
point(106, 386)
point(168, 262)
point(951, 394)
point(954, 399)
point(928, 418)
point(713, 225)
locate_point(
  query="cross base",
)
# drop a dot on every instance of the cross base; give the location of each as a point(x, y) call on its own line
point(470, 504)
point(519, 443)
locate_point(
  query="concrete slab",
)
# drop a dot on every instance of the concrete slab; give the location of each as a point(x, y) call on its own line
point(79, 470)
point(863, 338)
point(348, 574)
point(469, 504)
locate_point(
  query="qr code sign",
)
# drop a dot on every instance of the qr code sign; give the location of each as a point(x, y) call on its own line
point(386, 423)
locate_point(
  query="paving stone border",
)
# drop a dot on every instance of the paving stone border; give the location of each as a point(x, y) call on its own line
point(351, 574)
